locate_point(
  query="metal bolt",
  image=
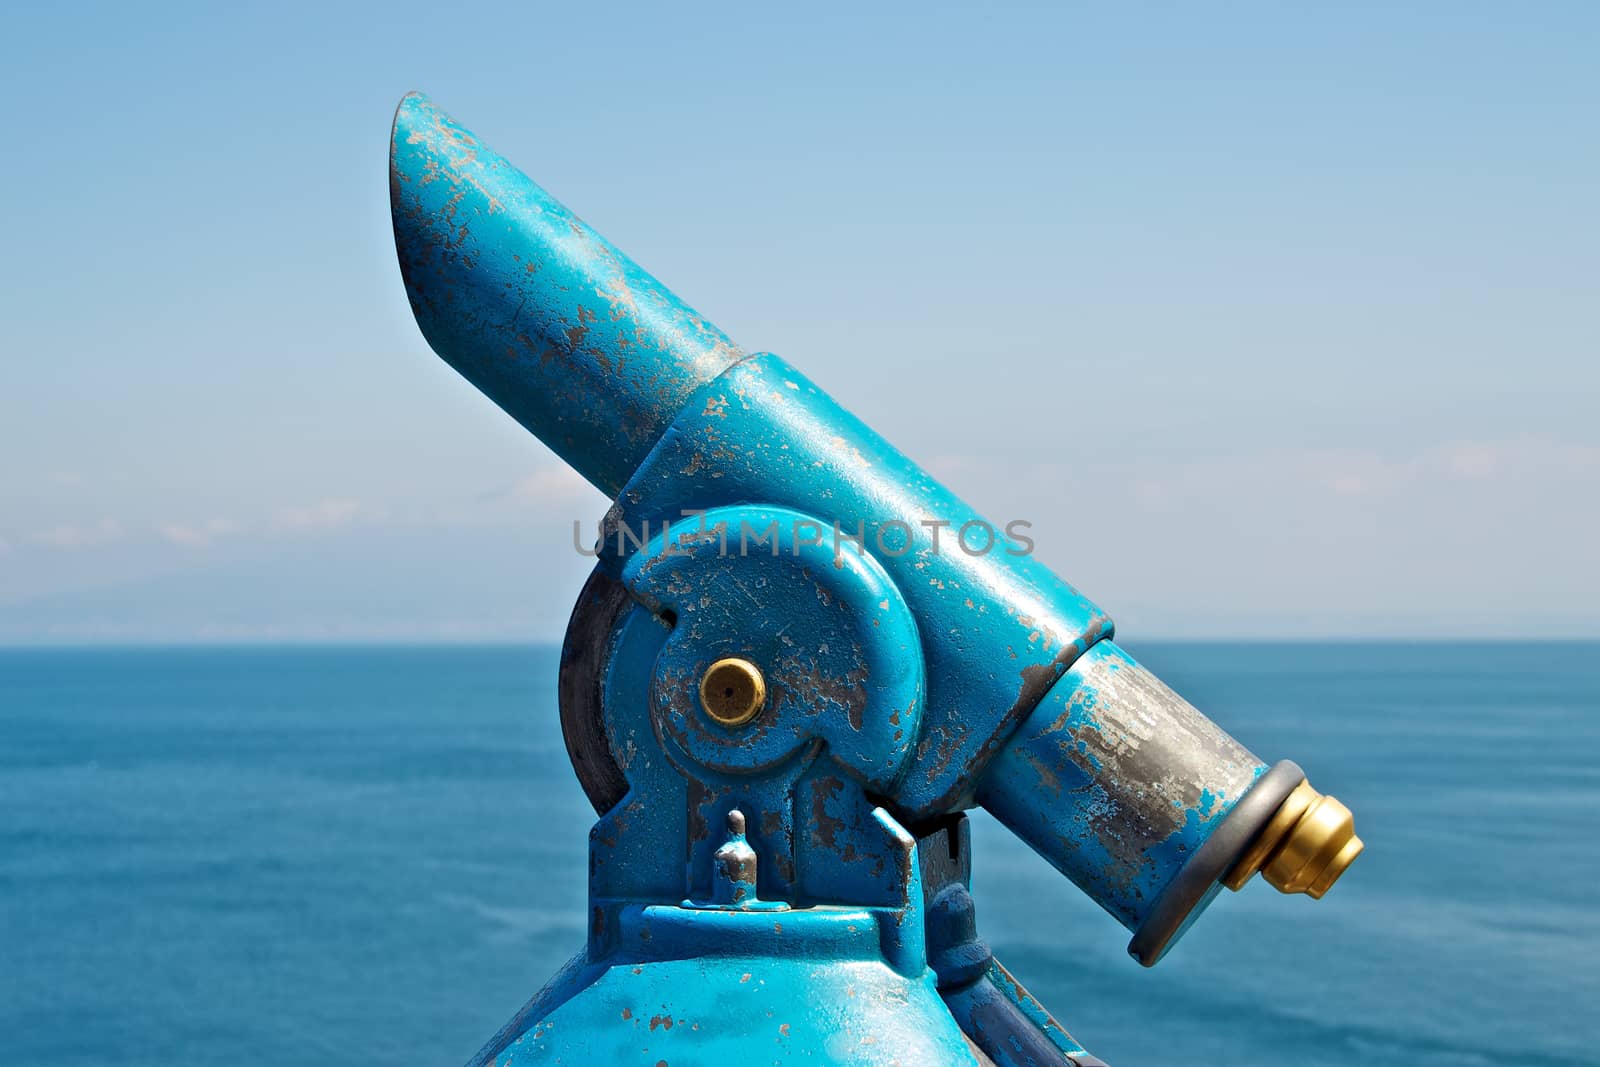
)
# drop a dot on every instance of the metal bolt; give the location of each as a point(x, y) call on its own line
point(732, 691)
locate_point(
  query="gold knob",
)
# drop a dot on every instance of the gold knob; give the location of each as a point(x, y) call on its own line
point(1304, 848)
point(732, 691)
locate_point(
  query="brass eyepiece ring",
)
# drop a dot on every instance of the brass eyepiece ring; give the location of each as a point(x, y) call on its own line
point(1304, 848)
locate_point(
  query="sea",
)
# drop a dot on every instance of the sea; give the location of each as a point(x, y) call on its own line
point(294, 856)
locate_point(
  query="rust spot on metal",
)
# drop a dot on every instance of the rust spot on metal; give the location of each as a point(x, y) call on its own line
point(824, 826)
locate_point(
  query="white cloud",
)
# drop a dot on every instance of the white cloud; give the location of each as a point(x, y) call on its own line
point(197, 535)
point(1349, 485)
point(75, 535)
point(1355, 473)
point(1486, 460)
point(1473, 460)
point(333, 514)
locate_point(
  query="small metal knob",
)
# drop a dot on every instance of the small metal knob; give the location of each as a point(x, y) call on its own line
point(732, 691)
point(733, 877)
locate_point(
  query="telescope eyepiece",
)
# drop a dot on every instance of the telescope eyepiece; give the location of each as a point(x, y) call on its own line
point(1304, 848)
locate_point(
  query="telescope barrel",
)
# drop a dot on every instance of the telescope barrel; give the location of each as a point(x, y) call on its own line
point(557, 326)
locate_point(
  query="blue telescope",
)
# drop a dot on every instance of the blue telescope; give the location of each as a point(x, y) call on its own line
point(798, 660)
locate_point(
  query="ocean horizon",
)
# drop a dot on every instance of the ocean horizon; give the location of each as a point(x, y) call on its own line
point(308, 853)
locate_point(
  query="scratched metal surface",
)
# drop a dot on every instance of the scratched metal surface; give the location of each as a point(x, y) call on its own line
point(834, 638)
point(548, 318)
point(721, 980)
point(997, 629)
point(1151, 777)
point(745, 1009)
point(1117, 781)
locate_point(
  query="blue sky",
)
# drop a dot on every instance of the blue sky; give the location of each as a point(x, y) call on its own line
point(1275, 320)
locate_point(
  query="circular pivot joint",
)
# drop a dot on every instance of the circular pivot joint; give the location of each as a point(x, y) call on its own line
point(777, 651)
